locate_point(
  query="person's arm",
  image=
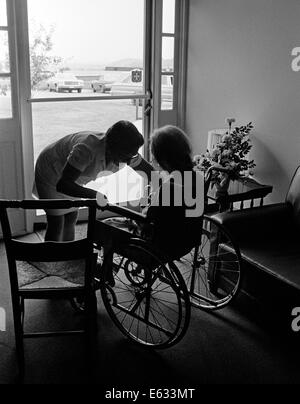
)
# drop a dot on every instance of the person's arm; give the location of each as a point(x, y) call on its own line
point(68, 186)
point(140, 164)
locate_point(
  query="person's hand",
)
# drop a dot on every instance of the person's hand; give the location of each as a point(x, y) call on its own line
point(102, 200)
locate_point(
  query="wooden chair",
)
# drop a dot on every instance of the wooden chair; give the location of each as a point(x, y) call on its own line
point(28, 257)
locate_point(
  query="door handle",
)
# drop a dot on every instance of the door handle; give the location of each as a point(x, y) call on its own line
point(148, 105)
point(148, 108)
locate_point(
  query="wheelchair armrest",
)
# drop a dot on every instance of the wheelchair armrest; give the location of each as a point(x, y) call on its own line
point(125, 212)
point(257, 222)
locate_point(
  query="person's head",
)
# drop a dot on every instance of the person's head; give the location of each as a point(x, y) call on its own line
point(123, 141)
point(171, 149)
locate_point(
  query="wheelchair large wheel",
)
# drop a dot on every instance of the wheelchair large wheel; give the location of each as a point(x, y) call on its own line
point(147, 299)
point(212, 270)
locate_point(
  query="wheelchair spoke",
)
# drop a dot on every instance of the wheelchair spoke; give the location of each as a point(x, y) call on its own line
point(157, 323)
point(150, 306)
point(142, 319)
point(172, 323)
point(132, 321)
point(212, 271)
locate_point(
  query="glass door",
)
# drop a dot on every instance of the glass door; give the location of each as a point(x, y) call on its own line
point(6, 107)
point(83, 65)
point(11, 159)
point(169, 61)
point(89, 69)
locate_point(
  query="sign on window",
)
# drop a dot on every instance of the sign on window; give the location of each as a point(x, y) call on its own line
point(136, 76)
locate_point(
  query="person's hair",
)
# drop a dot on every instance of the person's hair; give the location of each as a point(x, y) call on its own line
point(171, 148)
point(123, 141)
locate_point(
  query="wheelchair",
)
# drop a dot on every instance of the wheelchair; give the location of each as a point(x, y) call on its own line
point(149, 296)
point(212, 269)
point(142, 290)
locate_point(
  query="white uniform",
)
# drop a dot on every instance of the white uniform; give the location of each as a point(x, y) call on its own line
point(85, 151)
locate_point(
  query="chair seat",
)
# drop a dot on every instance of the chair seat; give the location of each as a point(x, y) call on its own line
point(39, 275)
point(277, 257)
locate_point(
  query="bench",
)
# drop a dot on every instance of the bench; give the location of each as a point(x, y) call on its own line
point(269, 239)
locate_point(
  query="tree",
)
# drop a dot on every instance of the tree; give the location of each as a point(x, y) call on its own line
point(42, 62)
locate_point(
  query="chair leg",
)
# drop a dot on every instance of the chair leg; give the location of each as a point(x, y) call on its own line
point(91, 313)
point(107, 267)
point(91, 336)
point(22, 306)
point(19, 342)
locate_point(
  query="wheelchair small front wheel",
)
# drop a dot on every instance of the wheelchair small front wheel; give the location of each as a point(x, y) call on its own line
point(148, 300)
point(78, 304)
point(212, 270)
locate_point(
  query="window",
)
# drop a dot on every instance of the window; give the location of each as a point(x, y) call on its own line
point(168, 55)
point(82, 55)
point(5, 75)
point(96, 40)
point(3, 13)
point(169, 16)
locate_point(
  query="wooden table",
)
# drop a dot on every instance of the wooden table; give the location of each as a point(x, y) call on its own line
point(241, 190)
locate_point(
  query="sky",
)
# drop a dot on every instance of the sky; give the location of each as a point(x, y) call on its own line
point(96, 31)
point(92, 31)
point(3, 18)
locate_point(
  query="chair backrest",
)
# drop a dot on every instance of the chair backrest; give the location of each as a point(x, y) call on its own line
point(17, 250)
point(293, 196)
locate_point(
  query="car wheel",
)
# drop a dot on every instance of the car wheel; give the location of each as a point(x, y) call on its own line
point(79, 90)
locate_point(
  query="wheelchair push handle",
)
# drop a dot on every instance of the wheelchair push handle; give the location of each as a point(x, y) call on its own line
point(125, 212)
point(104, 205)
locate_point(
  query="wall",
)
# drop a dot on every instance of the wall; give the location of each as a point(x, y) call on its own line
point(239, 64)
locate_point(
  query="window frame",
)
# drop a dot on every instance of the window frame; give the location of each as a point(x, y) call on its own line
point(152, 81)
point(10, 75)
point(176, 115)
point(146, 95)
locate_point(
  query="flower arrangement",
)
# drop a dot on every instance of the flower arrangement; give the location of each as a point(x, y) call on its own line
point(231, 153)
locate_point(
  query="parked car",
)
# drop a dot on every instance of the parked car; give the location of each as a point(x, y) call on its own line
point(101, 86)
point(128, 87)
point(63, 82)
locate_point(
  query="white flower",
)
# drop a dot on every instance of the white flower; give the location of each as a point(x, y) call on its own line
point(227, 153)
point(226, 138)
point(215, 153)
point(198, 158)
